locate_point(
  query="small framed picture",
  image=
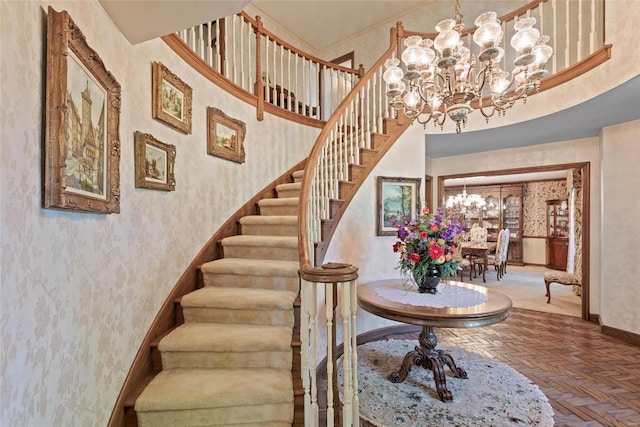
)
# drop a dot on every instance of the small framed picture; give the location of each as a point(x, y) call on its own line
point(396, 197)
point(82, 119)
point(154, 163)
point(225, 136)
point(172, 100)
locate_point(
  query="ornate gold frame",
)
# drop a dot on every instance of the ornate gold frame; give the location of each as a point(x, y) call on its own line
point(81, 158)
point(229, 146)
point(145, 178)
point(413, 184)
point(160, 76)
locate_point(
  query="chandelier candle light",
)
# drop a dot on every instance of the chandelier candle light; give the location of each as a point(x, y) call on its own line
point(465, 203)
point(442, 78)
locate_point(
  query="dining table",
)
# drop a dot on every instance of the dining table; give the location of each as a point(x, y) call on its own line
point(479, 250)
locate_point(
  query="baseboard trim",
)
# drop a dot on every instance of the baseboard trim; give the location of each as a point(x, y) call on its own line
point(626, 336)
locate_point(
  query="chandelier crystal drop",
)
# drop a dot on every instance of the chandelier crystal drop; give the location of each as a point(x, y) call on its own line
point(441, 78)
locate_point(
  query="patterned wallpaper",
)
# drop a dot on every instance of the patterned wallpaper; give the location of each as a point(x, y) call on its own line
point(79, 291)
point(534, 202)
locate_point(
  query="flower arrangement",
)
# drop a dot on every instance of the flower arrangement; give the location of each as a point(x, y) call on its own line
point(426, 241)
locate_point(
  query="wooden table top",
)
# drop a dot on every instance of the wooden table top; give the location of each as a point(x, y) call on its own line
point(495, 309)
point(488, 246)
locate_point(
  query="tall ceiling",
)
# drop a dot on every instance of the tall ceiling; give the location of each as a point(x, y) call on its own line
point(323, 23)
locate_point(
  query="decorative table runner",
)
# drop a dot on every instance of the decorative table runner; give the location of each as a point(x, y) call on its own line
point(448, 295)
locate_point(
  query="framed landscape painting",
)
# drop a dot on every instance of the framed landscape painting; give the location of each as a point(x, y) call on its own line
point(172, 99)
point(396, 196)
point(225, 136)
point(82, 110)
point(155, 162)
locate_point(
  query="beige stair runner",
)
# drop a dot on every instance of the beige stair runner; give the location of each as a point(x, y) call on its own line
point(229, 363)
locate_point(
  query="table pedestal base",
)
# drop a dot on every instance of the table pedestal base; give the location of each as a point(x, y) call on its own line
point(428, 357)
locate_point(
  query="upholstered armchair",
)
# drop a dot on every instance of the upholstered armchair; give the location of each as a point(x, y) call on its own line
point(564, 277)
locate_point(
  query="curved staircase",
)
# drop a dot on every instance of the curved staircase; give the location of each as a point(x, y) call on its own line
point(229, 361)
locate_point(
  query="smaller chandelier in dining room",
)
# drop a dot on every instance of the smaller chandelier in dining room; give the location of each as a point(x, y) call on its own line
point(464, 203)
point(442, 78)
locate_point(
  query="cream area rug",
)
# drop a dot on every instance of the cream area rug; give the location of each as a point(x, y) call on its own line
point(493, 394)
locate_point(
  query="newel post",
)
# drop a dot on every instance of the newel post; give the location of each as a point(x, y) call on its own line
point(340, 304)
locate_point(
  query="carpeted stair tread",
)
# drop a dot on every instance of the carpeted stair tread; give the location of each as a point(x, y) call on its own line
point(214, 337)
point(269, 220)
point(261, 241)
point(184, 389)
point(280, 201)
point(298, 175)
point(256, 267)
point(239, 298)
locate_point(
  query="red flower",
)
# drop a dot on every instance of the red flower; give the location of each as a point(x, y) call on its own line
point(436, 251)
point(424, 235)
point(415, 257)
point(397, 247)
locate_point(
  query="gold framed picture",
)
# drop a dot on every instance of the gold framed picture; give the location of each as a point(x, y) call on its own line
point(154, 163)
point(172, 99)
point(82, 113)
point(396, 196)
point(225, 136)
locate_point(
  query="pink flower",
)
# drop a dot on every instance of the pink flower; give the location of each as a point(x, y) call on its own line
point(434, 227)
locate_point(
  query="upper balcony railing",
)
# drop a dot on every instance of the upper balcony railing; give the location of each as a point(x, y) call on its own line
point(252, 58)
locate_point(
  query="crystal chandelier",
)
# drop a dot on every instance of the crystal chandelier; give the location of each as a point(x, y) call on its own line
point(442, 78)
point(463, 203)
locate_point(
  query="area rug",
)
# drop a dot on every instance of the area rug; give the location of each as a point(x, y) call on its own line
point(493, 394)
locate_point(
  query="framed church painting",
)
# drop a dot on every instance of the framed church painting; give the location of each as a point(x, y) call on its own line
point(172, 99)
point(82, 113)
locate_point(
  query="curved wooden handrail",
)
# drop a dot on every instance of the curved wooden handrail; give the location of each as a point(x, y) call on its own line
point(303, 238)
point(141, 369)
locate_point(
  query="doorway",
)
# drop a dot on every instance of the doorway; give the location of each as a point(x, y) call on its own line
point(526, 172)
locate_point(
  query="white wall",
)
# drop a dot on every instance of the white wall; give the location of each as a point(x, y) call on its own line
point(619, 229)
point(79, 291)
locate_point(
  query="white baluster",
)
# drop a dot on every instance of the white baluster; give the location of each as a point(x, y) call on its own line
point(313, 314)
point(347, 390)
point(592, 32)
point(328, 289)
point(567, 43)
point(242, 57)
point(579, 43)
point(554, 58)
point(355, 404)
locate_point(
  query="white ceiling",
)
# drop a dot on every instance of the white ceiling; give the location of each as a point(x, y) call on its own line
point(323, 23)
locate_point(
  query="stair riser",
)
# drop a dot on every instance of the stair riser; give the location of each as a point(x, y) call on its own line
point(260, 252)
point(246, 281)
point(279, 210)
point(288, 193)
point(249, 414)
point(218, 360)
point(244, 317)
point(269, 230)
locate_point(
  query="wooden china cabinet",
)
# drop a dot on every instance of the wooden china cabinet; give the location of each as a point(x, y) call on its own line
point(503, 210)
point(557, 241)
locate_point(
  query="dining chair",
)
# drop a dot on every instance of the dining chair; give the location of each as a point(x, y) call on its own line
point(566, 278)
point(496, 258)
point(478, 234)
point(464, 263)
